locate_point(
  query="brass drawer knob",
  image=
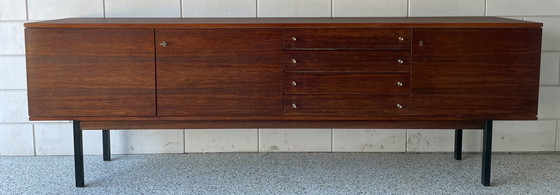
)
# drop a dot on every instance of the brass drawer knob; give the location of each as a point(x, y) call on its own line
point(294, 106)
point(401, 38)
point(400, 84)
point(164, 44)
point(399, 106)
point(294, 39)
point(400, 61)
point(294, 61)
point(294, 83)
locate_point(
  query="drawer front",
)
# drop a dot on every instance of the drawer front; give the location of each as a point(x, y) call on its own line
point(346, 83)
point(367, 61)
point(347, 38)
point(370, 105)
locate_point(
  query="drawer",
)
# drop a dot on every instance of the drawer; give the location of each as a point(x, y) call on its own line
point(347, 39)
point(367, 61)
point(346, 83)
point(371, 105)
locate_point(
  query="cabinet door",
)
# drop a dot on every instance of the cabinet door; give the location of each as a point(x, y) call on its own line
point(90, 72)
point(482, 73)
point(220, 72)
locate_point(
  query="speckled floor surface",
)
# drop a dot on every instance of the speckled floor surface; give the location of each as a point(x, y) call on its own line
point(283, 173)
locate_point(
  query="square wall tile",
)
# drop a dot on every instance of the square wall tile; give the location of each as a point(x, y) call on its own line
point(524, 136)
point(446, 8)
point(147, 141)
point(370, 8)
point(551, 32)
point(221, 140)
point(522, 7)
point(549, 103)
point(12, 41)
point(13, 106)
point(13, 10)
point(550, 68)
point(369, 140)
point(56, 9)
point(294, 140)
point(426, 140)
point(12, 72)
point(294, 8)
point(16, 139)
point(58, 139)
point(219, 8)
point(143, 8)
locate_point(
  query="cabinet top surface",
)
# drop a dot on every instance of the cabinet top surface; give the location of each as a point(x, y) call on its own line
point(377, 22)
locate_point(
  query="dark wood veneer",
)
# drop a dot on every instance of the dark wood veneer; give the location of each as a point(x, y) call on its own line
point(347, 61)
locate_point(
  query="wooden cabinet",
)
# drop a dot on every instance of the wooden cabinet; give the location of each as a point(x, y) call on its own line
point(219, 72)
point(487, 73)
point(434, 73)
point(90, 72)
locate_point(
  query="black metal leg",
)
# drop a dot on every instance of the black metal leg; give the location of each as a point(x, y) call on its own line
point(486, 152)
point(106, 145)
point(78, 154)
point(458, 144)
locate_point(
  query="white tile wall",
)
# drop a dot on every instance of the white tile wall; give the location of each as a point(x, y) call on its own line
point(369, 140)
point(11, 38)
point(294, 140)
point(16, 139)
point(219, 8)
point(56, 137)
point(523, 7)
point(551, 31)
point(550, 68)
point(446, 8)
point(13, 10)
point(425, 140)
point(221, 140)
point(370, 8)
point(524, 135)
point(55, 9)
point(549, 103)
point(147, 141)
point(294, 8)
point(13, 106)
point(143, 8)
point(12, 72)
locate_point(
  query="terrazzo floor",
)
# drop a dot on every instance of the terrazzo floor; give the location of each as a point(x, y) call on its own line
point(283, 173)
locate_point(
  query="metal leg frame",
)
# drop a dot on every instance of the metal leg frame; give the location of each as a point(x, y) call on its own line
point(78, 154)
point(458, 144)
point(106, 145)
point(486, 152)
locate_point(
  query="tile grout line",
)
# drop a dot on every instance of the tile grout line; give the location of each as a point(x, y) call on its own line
point(26, 9)
point(34, 140)
point(556, 140)
point(181, 8)
point(104, 9)
point(408, 10)
point(258, 140)
point(257, 12)
point(485, 7)
point(332, 140)
point(332, 13)
point(184, 141)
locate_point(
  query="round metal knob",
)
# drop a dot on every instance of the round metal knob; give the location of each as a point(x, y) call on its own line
point(164, 44)
point(294, 83)
point(401, 38)
point(294, 39)
point(399, 106)
point(294, 61)
point(400, 61)
point(294, 106)
point(400, 84)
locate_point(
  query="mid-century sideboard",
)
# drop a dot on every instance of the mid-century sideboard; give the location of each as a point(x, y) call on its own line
point(161, 73)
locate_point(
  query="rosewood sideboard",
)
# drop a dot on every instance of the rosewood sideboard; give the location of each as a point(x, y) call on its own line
point(162, 73)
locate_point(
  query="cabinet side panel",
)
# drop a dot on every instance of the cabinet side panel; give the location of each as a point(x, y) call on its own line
point(224, 72)
point(491, 73)
point(90, 72)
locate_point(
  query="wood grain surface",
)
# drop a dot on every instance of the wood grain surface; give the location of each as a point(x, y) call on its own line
point(346, 83)
point(346, 39)
point(349, 61)
point(219, 72)
point(90, 72)
point(476, 72)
